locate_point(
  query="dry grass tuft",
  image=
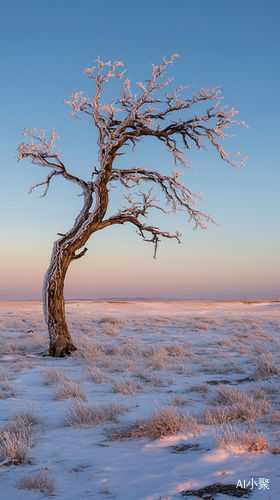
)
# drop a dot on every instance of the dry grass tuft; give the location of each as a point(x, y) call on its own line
point(272, 418)
point(163, 422)
point(265, 366)
point(275, 448)
point(201, 326)
point(69, 389)
point(16, 444)
point(176, 350)
point(53, 376)
point(112, 326)
point(40, 482)
point(27, 343)
point(127, 386)
point(246, 410)
point(229, 437)
point(262, 389)
point(259, 393)
point(86, 348)
point(226, 394)
point(5, 377)
point(16, 439)
point(150, 378)
point(202, 388)
point(224, 368)
point(94, 374)
point(27, 416)
point(7, 390)
point(157, 358)
point(112, 321)
point(80, 414)
point(179, 401)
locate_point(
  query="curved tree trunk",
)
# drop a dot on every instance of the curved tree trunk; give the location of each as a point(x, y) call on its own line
point(62, 255)
point(54, 306)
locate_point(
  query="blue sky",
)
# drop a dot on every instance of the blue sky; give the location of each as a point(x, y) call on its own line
point(232, 44)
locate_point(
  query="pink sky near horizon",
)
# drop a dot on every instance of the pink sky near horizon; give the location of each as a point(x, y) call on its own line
point(180, 271)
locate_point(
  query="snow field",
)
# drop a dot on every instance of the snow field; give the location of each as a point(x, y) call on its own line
point(161, 397)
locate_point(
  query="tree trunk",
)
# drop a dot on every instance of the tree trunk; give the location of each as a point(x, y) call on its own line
point(62, 255)
point(54, 306)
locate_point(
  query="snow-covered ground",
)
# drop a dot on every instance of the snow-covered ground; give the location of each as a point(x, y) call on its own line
point(212, 365)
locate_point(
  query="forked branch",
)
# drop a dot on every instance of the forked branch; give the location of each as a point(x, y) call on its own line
point(41, 153)
point(148, 114)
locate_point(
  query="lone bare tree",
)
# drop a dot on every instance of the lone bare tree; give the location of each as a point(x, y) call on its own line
point(141, 116)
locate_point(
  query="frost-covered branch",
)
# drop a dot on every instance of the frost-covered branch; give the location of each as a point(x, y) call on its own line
point(146, 113)
point(177, 196)
point(127, 121)
point(123, 217)
point(175, 192)
point(42, 154)
point(40, 150)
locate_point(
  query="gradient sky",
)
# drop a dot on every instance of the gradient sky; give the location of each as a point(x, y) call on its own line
point(229, 43)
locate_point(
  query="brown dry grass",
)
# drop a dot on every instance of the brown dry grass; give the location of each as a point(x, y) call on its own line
point(229, 437)
point(127, 386)
point(163, 422)
point(40, 482)
point(52, 376)
point(17, 438)
point(202, 388)
point(80, 414)
point(265, 366)
point(242, 411)
point(179, 401)
point(226, 394)
point(69, 389)
point(7, 390)
point(28, 342)
point(94, 374)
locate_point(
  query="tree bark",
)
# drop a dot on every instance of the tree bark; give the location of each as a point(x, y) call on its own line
point(54, 306)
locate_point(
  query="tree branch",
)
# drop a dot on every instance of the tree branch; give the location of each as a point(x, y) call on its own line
point(176, 194)
point(139, 124)
point(141, 116)
point(155, 231)
point(79, 255)
point(42, 154)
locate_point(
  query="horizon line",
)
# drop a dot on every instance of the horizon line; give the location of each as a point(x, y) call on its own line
point(158, 299)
